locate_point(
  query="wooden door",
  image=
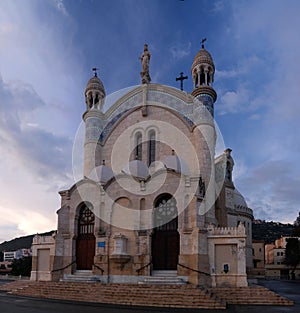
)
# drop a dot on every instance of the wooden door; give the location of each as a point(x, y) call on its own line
point(165, 238)
point(85, 245)
point(85, 253)
point(165, 250)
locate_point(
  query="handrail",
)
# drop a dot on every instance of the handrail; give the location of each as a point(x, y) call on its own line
point(99, 268)
point(200, 272)
point(144, 266)
point(63, 268)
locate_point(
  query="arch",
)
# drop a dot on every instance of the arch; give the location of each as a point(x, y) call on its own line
point(117, 214)
point(85, 243)
point(165, 237)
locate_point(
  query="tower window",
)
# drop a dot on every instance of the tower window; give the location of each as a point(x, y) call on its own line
point(202, 78)
point(138, 149)
point(151, 148)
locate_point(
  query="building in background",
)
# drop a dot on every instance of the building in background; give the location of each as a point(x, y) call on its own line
point(275, 261)
point(9, 256)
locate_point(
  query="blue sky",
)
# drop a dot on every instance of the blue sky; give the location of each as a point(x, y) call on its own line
point(47, 50)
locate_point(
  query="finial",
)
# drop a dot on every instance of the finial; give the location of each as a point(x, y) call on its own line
point(202, 42)
point(94, 69)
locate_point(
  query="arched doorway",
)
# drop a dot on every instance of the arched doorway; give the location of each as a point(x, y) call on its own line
point(85, 245)
point(165, 238)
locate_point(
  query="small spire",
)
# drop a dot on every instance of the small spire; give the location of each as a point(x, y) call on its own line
point(94, 69)
point(202, 42)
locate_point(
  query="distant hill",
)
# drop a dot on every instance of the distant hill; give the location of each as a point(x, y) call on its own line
point(261, 230)
point(270, 231)
point(21, 242)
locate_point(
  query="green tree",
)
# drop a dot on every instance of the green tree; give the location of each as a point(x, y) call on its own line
point(296, 230)
point(292, 253)
point(21, 266)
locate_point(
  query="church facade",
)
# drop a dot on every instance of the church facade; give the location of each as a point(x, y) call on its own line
point(154, 200)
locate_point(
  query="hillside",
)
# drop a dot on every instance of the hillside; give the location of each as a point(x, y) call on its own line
point(270, 231)
point(21, 242)
point(261, 230)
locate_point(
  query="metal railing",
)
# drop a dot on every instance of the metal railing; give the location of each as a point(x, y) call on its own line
point(99, 268)
point(144, 266)
point(192, 269)
point(63, 268)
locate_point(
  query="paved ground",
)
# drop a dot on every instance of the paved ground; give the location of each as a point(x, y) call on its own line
point(11, 304)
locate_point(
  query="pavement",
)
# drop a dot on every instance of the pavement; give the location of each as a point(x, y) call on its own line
point(10, 304)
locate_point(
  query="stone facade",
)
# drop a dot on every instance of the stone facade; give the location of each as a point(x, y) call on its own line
point(153, 194)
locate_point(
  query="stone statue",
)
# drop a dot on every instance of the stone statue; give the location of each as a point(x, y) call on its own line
point(145, 58)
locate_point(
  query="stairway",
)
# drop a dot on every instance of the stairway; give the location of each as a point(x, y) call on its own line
point(81, 276)
point(165, 278)
point(250, 295)
point(171, 296)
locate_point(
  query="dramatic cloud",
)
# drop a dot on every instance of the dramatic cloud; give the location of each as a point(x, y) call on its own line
point(181, 51)
point(47, 50)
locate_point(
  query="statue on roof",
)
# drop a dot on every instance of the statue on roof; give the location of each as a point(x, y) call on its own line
point(145, 58)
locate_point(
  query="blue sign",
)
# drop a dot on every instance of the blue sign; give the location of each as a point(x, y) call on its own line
point(101, 244)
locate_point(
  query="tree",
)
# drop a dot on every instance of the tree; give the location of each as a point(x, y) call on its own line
point(296, 230)
point(292, 254)
point(21, 266)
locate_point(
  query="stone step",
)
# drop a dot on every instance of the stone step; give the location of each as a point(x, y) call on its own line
point(177, 296)
point(162, 280)
point(83, 273)
point(250, 295)
point(81, 277)
point(164, 273)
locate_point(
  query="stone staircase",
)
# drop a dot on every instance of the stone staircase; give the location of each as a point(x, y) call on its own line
point(165, 278)
point(171, 296)
point(81, 276)
point(250, 295)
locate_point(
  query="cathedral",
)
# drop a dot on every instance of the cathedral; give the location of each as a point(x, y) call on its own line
point(155, 204)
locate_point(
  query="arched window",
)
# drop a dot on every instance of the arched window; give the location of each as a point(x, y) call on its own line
point(202, 77)
point(86, 221)
point(151, 147)
point(138, 145)
point(165, 213)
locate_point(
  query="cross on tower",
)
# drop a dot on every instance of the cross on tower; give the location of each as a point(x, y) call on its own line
point(181, 78)
point(94, 69)
point(202, 42)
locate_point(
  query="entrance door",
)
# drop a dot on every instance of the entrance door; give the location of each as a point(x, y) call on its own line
point(85, 246)
point(165, 238)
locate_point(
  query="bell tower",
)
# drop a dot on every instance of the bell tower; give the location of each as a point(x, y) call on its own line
point(94, 121)
point(203, 71)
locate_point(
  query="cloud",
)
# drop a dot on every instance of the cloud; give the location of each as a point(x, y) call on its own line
point(180, 51)
point(272, 191)
point(35, 163)
point(234, 101)
point(61, 7)
point(218, 6)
